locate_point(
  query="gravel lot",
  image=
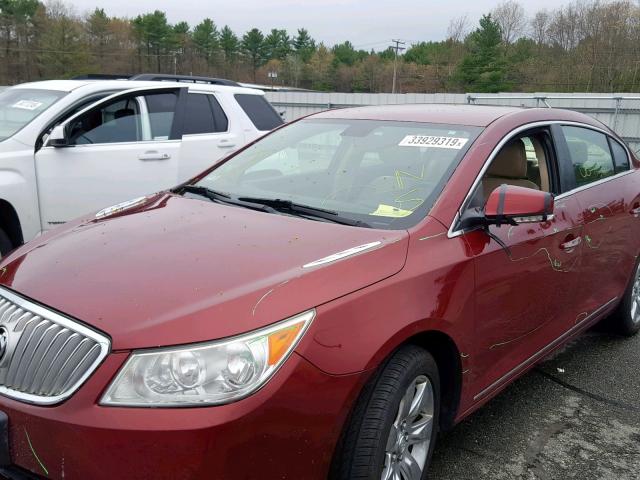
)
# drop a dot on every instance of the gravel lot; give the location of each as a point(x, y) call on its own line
point(576, 416)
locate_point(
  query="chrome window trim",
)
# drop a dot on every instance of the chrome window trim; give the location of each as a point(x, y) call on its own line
point(140, 142)
point(47, 314)
point(592, 184)
point(452, 233)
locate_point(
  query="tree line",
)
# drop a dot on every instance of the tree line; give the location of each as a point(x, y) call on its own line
point(587, 46)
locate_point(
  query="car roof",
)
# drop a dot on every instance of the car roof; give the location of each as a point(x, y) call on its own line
point(470, 115)
point(70, 85)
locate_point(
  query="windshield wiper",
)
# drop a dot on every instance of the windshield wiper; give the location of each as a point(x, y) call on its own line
point(287, 206)
point(270, 205)
point(220, 197)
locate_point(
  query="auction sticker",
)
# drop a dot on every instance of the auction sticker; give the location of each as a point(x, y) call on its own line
point(433, 141)
point(27, 104)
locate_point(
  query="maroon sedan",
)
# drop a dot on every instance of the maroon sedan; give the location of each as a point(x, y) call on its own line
point(321, 303)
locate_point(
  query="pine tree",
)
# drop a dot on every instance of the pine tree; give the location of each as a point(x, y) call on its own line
point(253, 47)
point(483, 69)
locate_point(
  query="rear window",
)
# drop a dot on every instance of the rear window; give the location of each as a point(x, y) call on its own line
point(261, 113)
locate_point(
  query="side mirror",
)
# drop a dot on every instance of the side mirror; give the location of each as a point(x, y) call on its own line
point(58, 137)
point(514, 205)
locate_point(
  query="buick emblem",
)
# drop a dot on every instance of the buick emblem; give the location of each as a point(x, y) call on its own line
point(4, 337)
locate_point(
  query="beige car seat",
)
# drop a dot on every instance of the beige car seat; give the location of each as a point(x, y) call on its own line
point(509, 167)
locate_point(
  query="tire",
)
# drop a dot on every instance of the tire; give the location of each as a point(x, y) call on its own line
point(371, 448)
point(626, 319)
point(5, 244)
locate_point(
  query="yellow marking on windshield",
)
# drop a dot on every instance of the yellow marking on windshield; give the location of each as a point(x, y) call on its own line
point(402, 200)
point(400, 174)
point(390, 211)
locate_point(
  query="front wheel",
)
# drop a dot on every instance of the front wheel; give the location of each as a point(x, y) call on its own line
point(5, 244)
point(393, 429)
point(626, 319)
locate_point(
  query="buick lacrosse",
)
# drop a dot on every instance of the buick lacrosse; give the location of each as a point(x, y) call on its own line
point(321, 303)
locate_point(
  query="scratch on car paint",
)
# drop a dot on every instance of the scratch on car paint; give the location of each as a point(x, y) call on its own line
point(507, 342)
point(46, 472)
point(338, 345)
point(432, 236)
point(510, 232)
point(464, 355)
point(466, 371)
point(556, 264)
point(253, 311)
point(581, 316)
point(590, 242)
point(3, 271)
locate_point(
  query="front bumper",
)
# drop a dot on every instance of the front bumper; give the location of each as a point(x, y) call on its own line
point(287, 430)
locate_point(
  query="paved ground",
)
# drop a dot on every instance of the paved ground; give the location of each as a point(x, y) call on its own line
point(577, 416)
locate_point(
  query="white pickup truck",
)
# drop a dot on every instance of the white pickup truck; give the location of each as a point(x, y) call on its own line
point(68, 147)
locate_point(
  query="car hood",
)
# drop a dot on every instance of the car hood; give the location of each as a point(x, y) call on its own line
point(176, 270)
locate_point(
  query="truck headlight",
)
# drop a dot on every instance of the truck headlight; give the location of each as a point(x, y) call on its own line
point(206, 374)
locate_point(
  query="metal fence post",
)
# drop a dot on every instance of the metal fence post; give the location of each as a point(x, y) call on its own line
point(615, 113)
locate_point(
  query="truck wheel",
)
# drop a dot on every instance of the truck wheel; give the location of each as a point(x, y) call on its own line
point(626, 319)
point(5, 244)
point(393, 428)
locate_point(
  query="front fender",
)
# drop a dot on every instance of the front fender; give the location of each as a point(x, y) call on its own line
point(18, 186)
point(433, 292)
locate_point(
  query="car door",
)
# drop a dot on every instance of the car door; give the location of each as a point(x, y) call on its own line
point(208, 133)
point(122, 147)
point(609, 203)
point(526, 274)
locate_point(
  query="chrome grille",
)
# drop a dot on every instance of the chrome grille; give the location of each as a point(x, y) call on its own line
point(44, 356)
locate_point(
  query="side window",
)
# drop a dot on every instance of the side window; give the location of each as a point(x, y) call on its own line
point(162, 109)
point(68, 114)
point(523, 162)
point(220, 118)
point(590, 154)
point(259, 111)
point(620, 156)
point(117, 121)
point(204, 115)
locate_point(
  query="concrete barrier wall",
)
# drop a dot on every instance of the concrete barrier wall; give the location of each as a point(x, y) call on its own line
point(621, 112)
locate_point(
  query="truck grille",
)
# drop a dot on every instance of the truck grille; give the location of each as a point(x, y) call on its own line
point(44, 356)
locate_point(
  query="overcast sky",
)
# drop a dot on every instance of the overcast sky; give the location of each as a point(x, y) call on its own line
point(366, 23)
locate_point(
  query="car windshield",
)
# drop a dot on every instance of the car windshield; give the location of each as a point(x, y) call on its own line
point(18, 106)
point(385, 174)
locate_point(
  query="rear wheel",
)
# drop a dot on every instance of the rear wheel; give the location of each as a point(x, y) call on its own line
point(393, 429)
point(5, 243)
point(626, 319)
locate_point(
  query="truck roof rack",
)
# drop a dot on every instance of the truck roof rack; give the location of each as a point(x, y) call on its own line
point(183, 78)
point(101, 76)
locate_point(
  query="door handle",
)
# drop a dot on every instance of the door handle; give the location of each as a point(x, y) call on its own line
point(569, 245)
point(226, 144)
point(153, 155)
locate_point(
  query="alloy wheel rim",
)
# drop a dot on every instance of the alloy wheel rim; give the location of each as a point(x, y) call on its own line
point(635, 298)
point(410, 435)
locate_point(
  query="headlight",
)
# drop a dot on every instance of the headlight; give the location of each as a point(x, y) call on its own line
point(206, 374)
